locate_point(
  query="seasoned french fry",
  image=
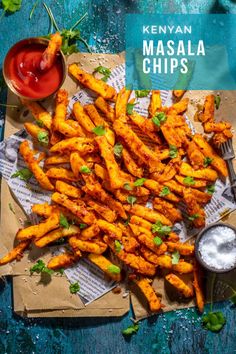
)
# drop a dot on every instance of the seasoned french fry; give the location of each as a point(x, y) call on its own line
point(83, 119)
point(167, 209)
point(149, 214)
point(79, 210)
point(89, 81)
point(28, 156)
point(105, 265)
point(35, 130)
point(131, 165)
point(197, 183)
point(180, 107)
point(110, 229)
point(105, 108)
point(197, 284)
point(180, 285)
point(208, 109)
point(178, 93)
point(146, 126)
point(141, 222)
point(39, 112)
point(56, 235)
point(182, 267)
point(61, 173)
point(49, 55)
point(15, 253)
point(67, 189)
point(103, 210)
point(149, 255)
point(96, 247)
point(205, 173)
point(157, 188)
point(43, 209)
point(194, 209)
point(154, 301)
point(89, 232)
point(121, 104)
point(155, 103)
point(83, 145)
point(39, 230)
point(57, 160)
point(62, 260)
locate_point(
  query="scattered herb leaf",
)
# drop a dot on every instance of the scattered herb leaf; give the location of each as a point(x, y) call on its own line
point(175, 257)
point(64, 222)
point(131, 199)
point(40, 267)
point(39, 123)
point(104, 71)
point(189, 181)
point(207, 161)
point(99, 130)
point(130, 107)
point(161, 229)
point(141, 93)
point(74, 288)
point(117, 149)
point(214, 321)
point(127, 186)
point(85, 169)
point(217, 101)
point(131, 330)
point(43, 138)
point(139, 182)
point(82, 226)
point(24, 174)
point(118, 246)
point(159, 118)
point(11, 5)
point(157, 240)
point(113, 269)
point(126, 222)
point(193, 217)
point(165, 191)
point(60, 271)
point(173, 151)
point(211, 189)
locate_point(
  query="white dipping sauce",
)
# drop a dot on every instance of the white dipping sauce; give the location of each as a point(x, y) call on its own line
point(217, 247)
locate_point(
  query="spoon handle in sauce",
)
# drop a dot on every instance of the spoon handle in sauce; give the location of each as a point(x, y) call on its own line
point(49, 55)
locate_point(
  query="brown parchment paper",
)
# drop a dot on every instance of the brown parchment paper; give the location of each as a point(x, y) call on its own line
point(30, 292)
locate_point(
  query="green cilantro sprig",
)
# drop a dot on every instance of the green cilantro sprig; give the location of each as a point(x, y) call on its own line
point(173, 152)
point(189, 181)
point(113, 269)
point(175, 257)
point(40, 267)
point(207, 161)
point(211, 189)
point(131, 199)
point(117, 149)
point(159, 118)
point(161, 229)
point(130, 107)
point(10, 6)
point(164, 192)
point(24, 174)
point(64, 222)
point(217, 101)
point(139, 182)
point(141, 93)
point(132, 329)
point(104, 71)
point(99, 130)
point(74, 288)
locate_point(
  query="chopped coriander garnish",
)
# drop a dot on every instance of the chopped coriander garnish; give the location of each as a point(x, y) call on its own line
point(159, 118)
point(189, 181)
point(139, 182)
point(131, 199)
point(82, 226)
point(11, 6)
point(161, 229)
point(113, 269)
point(193, 217)
point(99, 130)
point(214, 321)
point(141, 93)
point(165, 191)
point(127, 186)
point(173, 151)
point(85, 169)
point(207, 161)
point(157, 241)
point(175, 257)
point(118, 246)
point(104, 71)
point(74, 288)
point(117, 149)
point(39, 123)
point(60, 271)
point(43, 138)
point(211, 189)
point(11, 208)
point(126, 222)
point(24, 174)
point(64, 222)
point(40, 267)
point(130, 107)
point(131, 330)
point(217, 101)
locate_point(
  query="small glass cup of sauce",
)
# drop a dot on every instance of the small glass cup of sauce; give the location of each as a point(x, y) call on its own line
point(22, 73)
point(215, 248)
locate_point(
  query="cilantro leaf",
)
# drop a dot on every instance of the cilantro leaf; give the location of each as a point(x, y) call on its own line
point(207, 161)
point(60, 271)
point(173, 151)
point(161, 229)
point(126, 222)
point(24, 174)
point(139, 182)
point(39, 123)
point(189, 181)
point(175, 257)
point(64, 222)
point(43, 138)
point(130, 107)
point(159, 118)
point(157, 241)
point(213, 321)
point(85, 169)
point(141, 93)
point(117, 149)
point(127, 186)
point(131, 199)
point(99, 130)
point(131, 330)
point(211, 189)
point(104, 71)
point(113, 269)
point(82, 226)
point(165, 191)
point(74, 288)
point(11, 5)
point(217, 101)
point(118, 246)
point(40, 267)
point(193, 217)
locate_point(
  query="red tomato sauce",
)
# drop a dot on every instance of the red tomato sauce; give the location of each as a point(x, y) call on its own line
point(27, 77)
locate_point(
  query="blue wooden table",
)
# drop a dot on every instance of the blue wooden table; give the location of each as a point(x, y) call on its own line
point(175, 332)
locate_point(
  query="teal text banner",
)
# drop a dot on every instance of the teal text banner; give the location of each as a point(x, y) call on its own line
point(196, 52)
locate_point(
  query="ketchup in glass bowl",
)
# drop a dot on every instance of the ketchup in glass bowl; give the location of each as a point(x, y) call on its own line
point(23, 73)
